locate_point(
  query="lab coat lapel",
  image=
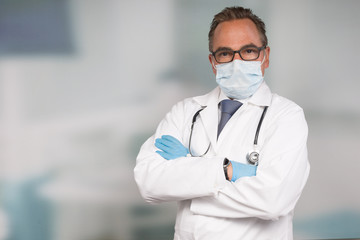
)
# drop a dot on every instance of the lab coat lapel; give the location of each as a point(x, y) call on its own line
point(209, 116)
point(262, 97)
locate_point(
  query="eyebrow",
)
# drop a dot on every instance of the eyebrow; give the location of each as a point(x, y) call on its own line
point(230, 49)
point(223, 49)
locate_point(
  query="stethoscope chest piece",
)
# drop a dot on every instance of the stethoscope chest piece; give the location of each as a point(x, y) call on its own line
point(253, 157)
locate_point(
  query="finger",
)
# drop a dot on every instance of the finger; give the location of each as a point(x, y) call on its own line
point(176, 147)
point(172, 139)
point(159, 144)
point(161, 153)
point(243, 170)
point(165, 155)
point(176, 144)
point(167, 142)
point(164, 142)
point(170, 145)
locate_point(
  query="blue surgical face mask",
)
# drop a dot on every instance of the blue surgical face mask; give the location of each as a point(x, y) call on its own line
point(239, 79)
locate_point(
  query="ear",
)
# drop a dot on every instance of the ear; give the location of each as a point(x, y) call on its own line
point(266, 62)
point(212, 62)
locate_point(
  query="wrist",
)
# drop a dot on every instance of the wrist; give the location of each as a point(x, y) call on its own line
point(240, 170)
point(230, 171)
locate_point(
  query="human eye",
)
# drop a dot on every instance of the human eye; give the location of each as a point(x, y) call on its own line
point(249, 53)
point(223, 55)
point(250, 50)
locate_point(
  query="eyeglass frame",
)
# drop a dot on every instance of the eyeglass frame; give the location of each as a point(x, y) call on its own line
point(238, 51)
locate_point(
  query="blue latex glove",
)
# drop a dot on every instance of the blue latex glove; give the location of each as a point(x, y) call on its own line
point(170, 147)
point(242, 170)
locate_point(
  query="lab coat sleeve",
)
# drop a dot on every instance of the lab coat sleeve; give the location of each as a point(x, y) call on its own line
point(281, 175)
point(161, 180)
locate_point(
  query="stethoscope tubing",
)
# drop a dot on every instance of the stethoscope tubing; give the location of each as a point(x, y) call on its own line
point(191, 132)
point(259, 125)
point(255, 138)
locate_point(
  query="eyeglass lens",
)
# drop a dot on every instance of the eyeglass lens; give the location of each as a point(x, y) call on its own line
point(247, 54)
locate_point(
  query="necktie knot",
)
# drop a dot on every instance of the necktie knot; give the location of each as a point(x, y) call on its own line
point(228, 108)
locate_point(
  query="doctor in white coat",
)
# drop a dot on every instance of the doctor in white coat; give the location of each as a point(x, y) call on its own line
point(197, 161)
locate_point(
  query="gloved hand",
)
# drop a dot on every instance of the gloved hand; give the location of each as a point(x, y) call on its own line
point(242, 170)
point(170, 147)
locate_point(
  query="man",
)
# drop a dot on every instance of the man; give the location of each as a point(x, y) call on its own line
point(229, 184)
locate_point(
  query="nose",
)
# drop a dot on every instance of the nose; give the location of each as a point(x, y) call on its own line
point(237, 56)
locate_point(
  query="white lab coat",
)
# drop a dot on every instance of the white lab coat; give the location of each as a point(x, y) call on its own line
point(211, 208)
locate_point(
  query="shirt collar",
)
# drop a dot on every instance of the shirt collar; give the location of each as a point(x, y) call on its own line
point(222, 96)
point(262, 97)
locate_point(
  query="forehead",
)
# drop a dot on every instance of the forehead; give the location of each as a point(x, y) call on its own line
point(236, 34)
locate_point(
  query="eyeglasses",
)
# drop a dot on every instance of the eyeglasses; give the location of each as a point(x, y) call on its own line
point(247, 53)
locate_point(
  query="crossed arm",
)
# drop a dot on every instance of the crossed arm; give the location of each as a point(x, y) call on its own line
point(165, 172)
point(172, 148)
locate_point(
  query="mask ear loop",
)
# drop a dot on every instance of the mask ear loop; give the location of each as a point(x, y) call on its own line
point(263, 58)
point(212, 62)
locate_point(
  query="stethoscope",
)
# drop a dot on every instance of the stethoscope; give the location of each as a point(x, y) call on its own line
point(253, 155)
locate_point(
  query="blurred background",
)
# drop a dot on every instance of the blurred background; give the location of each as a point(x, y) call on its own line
point(83, 83)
